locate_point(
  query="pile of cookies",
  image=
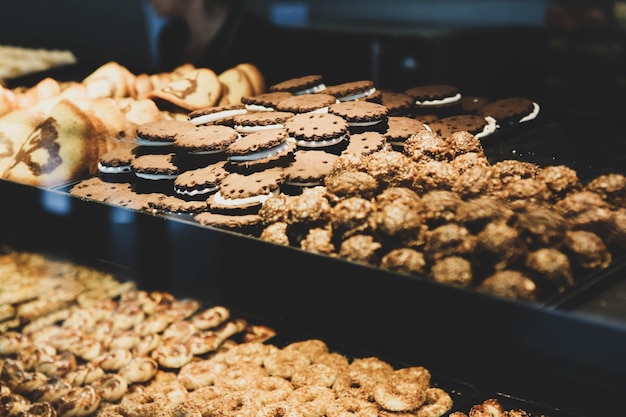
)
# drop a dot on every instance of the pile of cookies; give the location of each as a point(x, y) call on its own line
point(119, 351)
point(54, 133)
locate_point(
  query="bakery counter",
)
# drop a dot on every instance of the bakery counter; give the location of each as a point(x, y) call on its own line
point(565, 356)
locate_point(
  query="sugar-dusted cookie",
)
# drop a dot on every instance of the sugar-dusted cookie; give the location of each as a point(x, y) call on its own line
point(307, 84)
point(315, 130)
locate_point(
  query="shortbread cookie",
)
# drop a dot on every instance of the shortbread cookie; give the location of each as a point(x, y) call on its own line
point(255, 77)
point(190, 91)
point(235, 84)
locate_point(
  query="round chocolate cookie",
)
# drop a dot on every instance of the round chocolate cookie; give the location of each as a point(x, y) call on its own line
point(155, 172)
point(260, 150)
point(309, 168)
point(95, 188)
point(511, 111)
point(209, 115)
point(265, 101)
point(479, 126)
point(206, 139)
point(365, 143)
point(161, 132)
point(353, 90)
point(114, 164)
point(306, 84)
point(362, 116)
point(305, 103)
point(199, 183)
point(400, 128)
point(259, 121)
point(440, 99)
point(473, 104)
point(241, 223)
point(315, 130)
point(398, 104)
point(174, 205)
point(244, 193)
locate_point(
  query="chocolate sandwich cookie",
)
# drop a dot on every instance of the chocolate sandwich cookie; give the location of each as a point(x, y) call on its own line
point(134, 199)
point(479, 126)
point(305, 103)
point(307, 84)
point(400, 128)
point(318, 130)
point(473, 104)
point(260, 121)
point(240, 223)
point(161, 132)
point(362, 116)
point(353, 90)
point(308, 169)
point(265, 101)
point(441, 99)
point(155, 172)
point(260, 150)
point(241, 193)
point(511, 111)
point(398, 104)
point(172, 204)
point(215, 114)
point(97, 189)
point(366, 143)
point(115, 165)
point(199, 183)
point(203, 145)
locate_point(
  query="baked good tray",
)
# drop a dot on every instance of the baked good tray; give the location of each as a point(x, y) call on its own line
point(566, 352)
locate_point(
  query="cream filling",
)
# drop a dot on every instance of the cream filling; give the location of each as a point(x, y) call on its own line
point(314, 89)
point(113, 170)
point(144, 142)
point(193, 193)
point(156, 176)
point(210, 118)
point(257, 199)
point(447, 100)
point(304, 184)
point(532, 115)
point(266, 153)
point(252, 129)
point(258, 107)
point(319, 143)
point(370, 123)
point(359, 96)
point(489, 128)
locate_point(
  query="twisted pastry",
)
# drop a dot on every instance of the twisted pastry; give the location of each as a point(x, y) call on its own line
point(211, 317)
point(79, 402)
point(58, 365)
point(139, 369)
point(13, 342)
point(84, 374)
point(111, 387)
